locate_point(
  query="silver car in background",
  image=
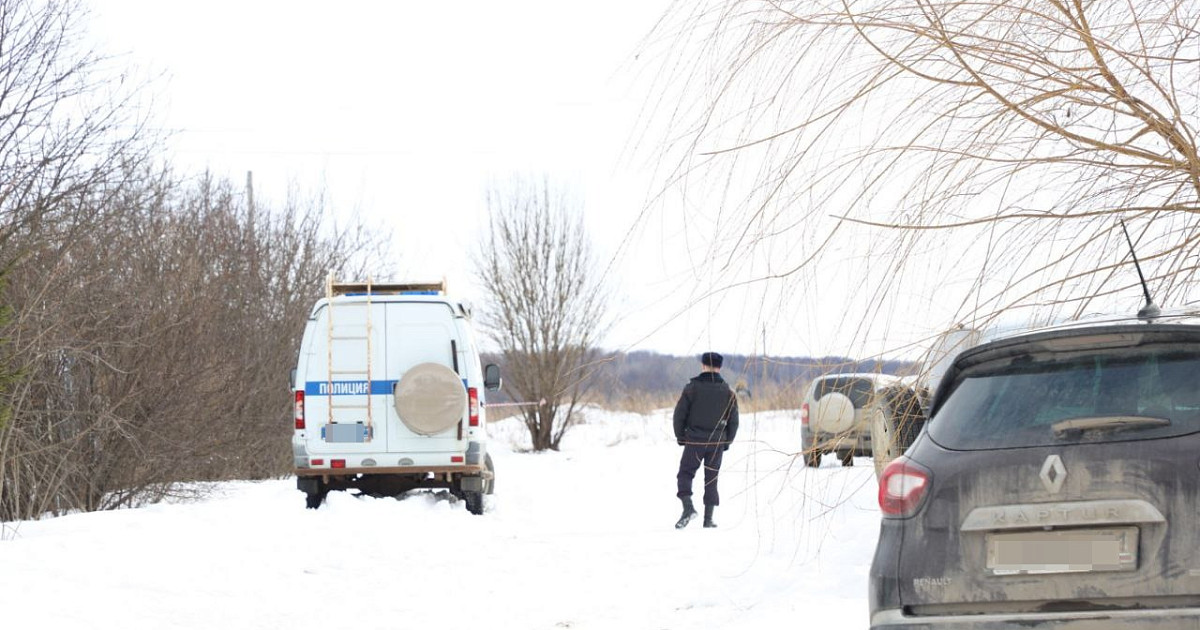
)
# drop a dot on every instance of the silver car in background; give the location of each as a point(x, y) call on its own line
point(835, 415)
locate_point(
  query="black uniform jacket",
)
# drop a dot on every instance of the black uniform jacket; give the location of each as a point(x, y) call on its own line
point(707, 412)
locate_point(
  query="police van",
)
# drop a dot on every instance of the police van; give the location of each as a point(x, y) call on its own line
point(389, 395)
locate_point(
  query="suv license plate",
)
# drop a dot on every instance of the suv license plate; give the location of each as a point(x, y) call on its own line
point(1063, 551)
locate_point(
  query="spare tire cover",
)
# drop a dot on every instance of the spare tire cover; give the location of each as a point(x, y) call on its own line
point(430, 398)
point(834, 413)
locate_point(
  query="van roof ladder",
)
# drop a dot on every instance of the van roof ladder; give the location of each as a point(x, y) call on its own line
point(330, 291)
point(370, 428)
point(329, 346)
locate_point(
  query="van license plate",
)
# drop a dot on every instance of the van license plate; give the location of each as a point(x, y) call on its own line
point(1063, 551)
point(353, 433)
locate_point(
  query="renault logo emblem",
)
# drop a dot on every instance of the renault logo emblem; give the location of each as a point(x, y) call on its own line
point(1053, 474)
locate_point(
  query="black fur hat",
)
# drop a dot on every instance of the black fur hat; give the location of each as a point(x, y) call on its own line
point(712, 359)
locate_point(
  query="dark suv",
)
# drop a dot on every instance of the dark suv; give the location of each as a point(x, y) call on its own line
point(1056, 485)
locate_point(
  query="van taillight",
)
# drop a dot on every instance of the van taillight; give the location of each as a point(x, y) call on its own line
point(902, 486)
point(804, 415)
point(299, 409)
point(473, 406)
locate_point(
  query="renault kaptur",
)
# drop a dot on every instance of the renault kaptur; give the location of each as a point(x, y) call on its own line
point(1056, 484)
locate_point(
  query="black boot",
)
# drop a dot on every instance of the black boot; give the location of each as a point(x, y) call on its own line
point(708, 510)
point(689, 513)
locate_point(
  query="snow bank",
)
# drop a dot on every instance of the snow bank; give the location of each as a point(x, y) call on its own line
point(581, 538)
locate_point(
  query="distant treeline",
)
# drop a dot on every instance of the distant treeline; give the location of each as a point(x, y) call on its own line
point(644, 380)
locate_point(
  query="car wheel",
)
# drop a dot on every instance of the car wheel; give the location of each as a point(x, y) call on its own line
point(896, 419)
point(474, 502)
point(430, 398)
point(834, 413)
point(313, 500)
point(846, 457)
point(812, 458)
point(314, 491)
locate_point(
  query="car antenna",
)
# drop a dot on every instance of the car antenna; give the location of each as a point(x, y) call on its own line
point(1150, 310)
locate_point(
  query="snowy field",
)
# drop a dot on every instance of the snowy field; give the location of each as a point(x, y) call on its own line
point(582, 538)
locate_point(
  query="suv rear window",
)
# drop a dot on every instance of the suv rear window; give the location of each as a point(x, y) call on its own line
point(1045, 399)
point(858, 390)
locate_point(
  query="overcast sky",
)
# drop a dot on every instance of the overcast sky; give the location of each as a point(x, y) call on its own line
point(403, 113)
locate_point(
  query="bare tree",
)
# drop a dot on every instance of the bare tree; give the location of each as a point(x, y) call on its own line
point(546, 302)
point(993, 144)
point(70, 122)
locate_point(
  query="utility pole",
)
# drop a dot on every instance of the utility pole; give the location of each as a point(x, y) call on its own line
point(763, 379)
point(250, 192)
point(250, 218)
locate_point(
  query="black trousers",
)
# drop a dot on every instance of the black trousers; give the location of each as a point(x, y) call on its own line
point(693, 456)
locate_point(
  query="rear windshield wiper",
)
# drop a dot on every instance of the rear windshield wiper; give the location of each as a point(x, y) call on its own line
point(1107, 423)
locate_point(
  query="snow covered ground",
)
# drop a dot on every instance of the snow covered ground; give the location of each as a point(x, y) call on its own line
point(582, 538)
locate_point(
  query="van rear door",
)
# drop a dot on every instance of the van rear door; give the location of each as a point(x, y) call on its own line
point(346, 394)
point(418, 333)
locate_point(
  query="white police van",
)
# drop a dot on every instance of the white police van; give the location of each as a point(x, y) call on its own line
point(389, 395)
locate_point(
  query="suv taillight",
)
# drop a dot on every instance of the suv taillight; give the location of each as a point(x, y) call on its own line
point(902, 487)
point(299, 409)
point(473, 406)
point(804, 415)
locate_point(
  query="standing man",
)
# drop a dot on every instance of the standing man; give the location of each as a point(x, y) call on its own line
point(706, 421)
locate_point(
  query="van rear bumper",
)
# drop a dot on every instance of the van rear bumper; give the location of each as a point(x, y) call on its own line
point(465, 469)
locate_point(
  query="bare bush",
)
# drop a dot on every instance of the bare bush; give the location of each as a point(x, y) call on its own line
point(154, 347)
point(148, 323)
point(991, 145)
point(69, 140)
point(545, 304)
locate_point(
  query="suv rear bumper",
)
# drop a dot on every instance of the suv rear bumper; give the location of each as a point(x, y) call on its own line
point(860, 441)
point(1141, 619)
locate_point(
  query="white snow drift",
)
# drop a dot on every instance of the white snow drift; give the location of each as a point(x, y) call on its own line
point(582, 538)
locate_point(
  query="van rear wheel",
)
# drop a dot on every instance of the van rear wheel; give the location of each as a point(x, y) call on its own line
point(315, 496)
point(474, 502)
point(314, 490)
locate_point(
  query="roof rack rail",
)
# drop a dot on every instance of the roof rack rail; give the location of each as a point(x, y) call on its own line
point(388, 288)
point(385, 288)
